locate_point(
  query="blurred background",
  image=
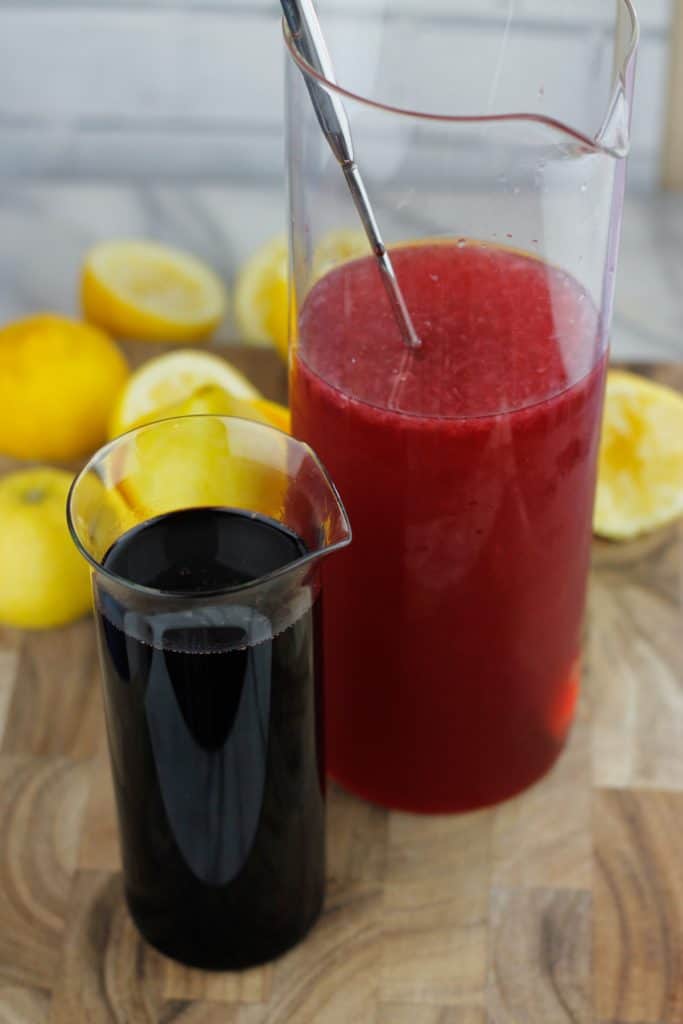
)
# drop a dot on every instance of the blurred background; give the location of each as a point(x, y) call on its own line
point(163, 119)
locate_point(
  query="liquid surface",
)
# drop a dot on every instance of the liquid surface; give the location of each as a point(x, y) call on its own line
point(452, 623)
point(500, 331)
point(215, 742)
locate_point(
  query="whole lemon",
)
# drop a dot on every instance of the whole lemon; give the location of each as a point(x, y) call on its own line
point(58, 382)
point(44, 581)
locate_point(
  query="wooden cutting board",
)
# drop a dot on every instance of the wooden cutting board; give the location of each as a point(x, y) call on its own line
point(564, 905)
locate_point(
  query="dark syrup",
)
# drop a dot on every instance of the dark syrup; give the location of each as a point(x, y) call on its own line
point(215, 738)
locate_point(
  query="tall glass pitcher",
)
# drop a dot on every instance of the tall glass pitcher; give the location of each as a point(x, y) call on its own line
point(496, 168)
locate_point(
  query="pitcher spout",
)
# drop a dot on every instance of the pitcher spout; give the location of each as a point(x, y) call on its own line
point(614, 136)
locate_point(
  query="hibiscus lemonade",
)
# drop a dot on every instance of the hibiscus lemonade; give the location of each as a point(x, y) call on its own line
point(453, 623)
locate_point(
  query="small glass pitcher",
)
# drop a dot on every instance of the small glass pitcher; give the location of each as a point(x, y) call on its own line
point(205, 537)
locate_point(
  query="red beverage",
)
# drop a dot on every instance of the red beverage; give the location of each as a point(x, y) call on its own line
point(453, 622)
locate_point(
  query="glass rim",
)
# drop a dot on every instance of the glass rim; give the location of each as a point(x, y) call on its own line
point(550, 122)
point(202, 595)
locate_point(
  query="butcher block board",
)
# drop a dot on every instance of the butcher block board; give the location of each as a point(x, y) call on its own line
point(564, 905)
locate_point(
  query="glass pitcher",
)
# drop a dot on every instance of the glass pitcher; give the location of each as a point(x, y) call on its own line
point(205, 537)
point(496, 167)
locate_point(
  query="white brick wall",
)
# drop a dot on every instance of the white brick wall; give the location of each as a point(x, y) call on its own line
point(193, 88)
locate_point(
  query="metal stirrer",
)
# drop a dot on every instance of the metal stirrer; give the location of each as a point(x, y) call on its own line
point(307, 34)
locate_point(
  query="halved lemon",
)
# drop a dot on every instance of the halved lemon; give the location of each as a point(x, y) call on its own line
point(212, 401)
point(262, 307)
point(173, 378)
point(100, 514)
point(144, 290)
point(200, 461)
point(640, 481)
point(337, 247)
point(261, 296)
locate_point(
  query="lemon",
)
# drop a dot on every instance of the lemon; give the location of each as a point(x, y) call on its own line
point(640, 480)
point(173, 378)
point(44, 581)
point(202, 461)
point(195, 461)
point(58, 379)
point(99, 513)
point(261, 296)
point(212, 401)
point(152, 292)
point(262, 307)
point(337, 247)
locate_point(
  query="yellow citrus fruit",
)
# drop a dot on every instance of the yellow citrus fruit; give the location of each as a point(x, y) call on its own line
point(262, 308)
point(99, 513)
point(338, 247)
point(173, 378)
point(202, 461)
point(640, 481)
point(212, 401)
point(261, 303)
point(151, 292)
point(58, 381)
point(44, 580)
point(197, 462)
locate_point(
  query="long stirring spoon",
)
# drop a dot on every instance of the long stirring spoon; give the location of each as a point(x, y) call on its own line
point(304, 26)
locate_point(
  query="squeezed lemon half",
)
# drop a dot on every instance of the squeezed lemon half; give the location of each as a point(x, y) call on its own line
point(640, 478)
point(151, 292)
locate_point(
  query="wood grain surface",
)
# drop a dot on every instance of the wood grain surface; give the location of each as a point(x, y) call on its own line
point(564, 905)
